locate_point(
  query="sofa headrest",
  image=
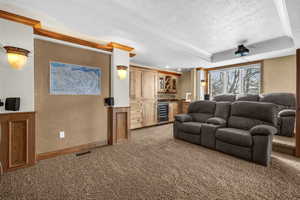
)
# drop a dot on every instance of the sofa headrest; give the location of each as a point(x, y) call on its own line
point(255, 110)
point(225, 97)
point(284, 99)
point(202, 107)
point(222, 109)
point(248, 97)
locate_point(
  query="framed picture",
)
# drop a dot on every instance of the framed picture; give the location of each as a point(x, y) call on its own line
point(71, 79)
point(188, 96)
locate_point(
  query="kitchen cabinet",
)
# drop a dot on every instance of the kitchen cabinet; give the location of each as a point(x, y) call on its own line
point(149, 112)
point(143, 97)
point(173, 110)
point(136, 114)
point(135, 84)
point(149, 85)
point(167, 83)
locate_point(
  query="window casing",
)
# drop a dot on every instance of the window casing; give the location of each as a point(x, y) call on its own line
point(236, 80)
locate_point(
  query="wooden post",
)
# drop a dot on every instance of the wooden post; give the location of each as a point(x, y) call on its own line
point(206, 79)
point(298, 104)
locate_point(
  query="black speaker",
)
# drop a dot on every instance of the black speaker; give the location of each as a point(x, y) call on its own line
point(206, 97)
point(109, 101)
point(12, 103)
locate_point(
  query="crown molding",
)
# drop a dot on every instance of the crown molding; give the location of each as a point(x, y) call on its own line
point(20, 19)
point(120, 46)
point(67, 38)
point(38, 30)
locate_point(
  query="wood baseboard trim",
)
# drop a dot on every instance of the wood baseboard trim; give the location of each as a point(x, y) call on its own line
point(47, 155)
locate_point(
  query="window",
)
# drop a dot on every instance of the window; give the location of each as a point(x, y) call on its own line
point(237, 80)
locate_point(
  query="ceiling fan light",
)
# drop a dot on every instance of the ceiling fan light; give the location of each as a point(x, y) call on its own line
point(242, 51)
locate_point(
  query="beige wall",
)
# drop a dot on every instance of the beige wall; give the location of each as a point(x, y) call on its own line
point(82, 117)
point(279, 74)
point(185, 84)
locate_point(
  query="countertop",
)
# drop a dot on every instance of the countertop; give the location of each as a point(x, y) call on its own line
point(169, 99)
point(3, 112)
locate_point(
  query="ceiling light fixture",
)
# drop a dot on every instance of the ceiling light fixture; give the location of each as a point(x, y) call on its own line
point(16, 57)
point(242, 51)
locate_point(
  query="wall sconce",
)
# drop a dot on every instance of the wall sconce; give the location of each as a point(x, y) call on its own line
point(122, 71)
point(16, 57)
point(203, 83)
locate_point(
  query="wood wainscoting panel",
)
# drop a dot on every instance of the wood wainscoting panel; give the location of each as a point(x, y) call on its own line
point(17, 148)
point(18, 143)
point(119, 124)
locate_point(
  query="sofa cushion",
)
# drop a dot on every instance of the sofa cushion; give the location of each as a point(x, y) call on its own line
point(285, 100)
point(202, 110)
point(235, 136)
point(225, 97)
point(248, 97)
point(190, 127)
point(200, 117)
point(222, 110)
point(246, 114)
point(245, 123)
point(202, 107)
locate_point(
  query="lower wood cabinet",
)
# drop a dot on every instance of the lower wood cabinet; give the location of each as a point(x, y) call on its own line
point(185, 106)
point(173, 110)
point(17, 146)
point(136, 114)
point(149, 110)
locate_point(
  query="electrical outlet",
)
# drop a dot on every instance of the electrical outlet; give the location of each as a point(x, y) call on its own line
point(61, 134)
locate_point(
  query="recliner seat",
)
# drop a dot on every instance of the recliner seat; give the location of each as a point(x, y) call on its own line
point(243, 129)
point(188, 126)
point(250, 130)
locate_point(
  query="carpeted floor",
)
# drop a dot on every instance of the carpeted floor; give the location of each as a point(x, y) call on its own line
point(154, 166)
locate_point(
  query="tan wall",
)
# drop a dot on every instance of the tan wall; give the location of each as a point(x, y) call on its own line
point(279, 74)
point(185, 84)
point(82, 117)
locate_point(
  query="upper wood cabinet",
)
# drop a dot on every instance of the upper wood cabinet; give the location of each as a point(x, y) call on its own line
point(149, 84)
point(167, 83)
point(135, 84)
point(161, 83)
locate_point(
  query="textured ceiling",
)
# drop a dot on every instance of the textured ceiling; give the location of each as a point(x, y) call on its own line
point(174, 33)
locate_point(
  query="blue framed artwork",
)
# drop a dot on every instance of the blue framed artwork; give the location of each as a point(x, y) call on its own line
point(71, 79)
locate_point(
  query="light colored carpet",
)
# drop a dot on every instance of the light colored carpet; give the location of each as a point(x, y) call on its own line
point(154, 166)
point(286, 141)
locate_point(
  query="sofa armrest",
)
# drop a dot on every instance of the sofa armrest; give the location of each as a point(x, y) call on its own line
point(183, 118)
point(263, 130)
point(287, 113)
point(216, 121)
